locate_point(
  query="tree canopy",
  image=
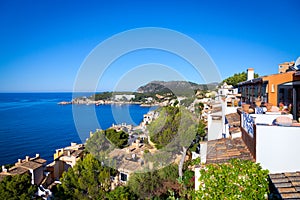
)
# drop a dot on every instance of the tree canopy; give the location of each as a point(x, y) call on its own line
point(235, 79)
point(88, 179)
point(17, 187)
point(238, 179)
point(173, 133)
point(155, 183)
point(103, 142)
point(118, 138)
point(121, 193)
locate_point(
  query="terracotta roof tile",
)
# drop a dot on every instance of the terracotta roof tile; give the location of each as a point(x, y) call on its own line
point(233, 119)
point(222, 150)
point(279, 185)
point(287, 185)
point(291, 196)
point(286, 190)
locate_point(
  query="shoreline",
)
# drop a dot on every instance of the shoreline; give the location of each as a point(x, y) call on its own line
point(102, 102)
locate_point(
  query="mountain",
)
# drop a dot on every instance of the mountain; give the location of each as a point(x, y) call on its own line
point(178, 88)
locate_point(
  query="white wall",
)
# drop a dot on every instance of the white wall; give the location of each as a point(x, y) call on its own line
point(278, 148)
point(214, 128)
point(197, 176)
point(229, 110)
point(126, 96)
point(268, 118)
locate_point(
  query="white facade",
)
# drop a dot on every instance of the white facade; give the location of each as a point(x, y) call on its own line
point(215, 126)
point(226, 90)
point(127, 97)
point(277, 148)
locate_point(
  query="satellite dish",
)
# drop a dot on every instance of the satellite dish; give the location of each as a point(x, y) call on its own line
point(297, 64)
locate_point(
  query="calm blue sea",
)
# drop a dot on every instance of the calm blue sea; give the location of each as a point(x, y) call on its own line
point(33, 123)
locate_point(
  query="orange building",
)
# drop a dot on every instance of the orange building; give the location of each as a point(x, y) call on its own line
point(276, 88)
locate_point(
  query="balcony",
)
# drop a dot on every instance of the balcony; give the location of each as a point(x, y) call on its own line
point(274, 145)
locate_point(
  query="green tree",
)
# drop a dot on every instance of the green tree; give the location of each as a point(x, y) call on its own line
point(144, 184)
point(102, 96)
point(201, 129)
point(155, 184)
point(121, 193)
point(238, 179)
point(118, 138)
point(17, 187)
point(103, 142)
point(235, 79)
point(99, 146)
point(199, 108)
point(88, 179)
point(173, 131)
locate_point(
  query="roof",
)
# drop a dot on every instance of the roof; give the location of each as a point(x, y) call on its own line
point(124, 160)
point(32, 164)
point(17, 170)
point(233, 119)
point(252, 81)
point(287, 184)
point(72, 152)
point(222, 150)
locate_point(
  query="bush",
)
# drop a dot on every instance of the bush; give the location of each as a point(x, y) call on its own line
point(17, 187)
point(238, 179)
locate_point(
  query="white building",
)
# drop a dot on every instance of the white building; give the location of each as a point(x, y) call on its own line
point(121, 97)
point(226, 90)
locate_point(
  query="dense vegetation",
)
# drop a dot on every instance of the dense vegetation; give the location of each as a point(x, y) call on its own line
point(102, 96)
point(179, 88)
point(165, 128)
point(162, 184)
point(17, 187)
point(103, 140)
point(173, 132)
point(238, 179)
point(237, 78)
point(121, 193)
point(88, 179)
point(118, 138)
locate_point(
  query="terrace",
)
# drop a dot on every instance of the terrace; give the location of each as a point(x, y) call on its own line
point(273, 140)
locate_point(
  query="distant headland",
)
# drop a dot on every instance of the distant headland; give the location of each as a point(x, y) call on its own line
point(155, 93)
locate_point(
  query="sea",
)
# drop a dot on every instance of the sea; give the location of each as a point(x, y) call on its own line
point(33, 123)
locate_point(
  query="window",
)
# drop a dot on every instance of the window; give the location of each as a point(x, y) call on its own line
point(123, 177)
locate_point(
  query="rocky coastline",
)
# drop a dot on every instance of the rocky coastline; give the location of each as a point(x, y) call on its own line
point(87, 101)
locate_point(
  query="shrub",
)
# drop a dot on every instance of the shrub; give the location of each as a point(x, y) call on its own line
point(238, 179)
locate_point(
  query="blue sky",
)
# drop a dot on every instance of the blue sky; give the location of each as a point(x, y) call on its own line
point(44, 43)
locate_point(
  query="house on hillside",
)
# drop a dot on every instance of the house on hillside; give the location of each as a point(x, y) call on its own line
point(64, 158)
point(278, 88)
point(34, 166)
point(269, 139)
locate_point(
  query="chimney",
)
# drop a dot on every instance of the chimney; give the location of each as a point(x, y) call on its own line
point(37, 155)
point(27, 158)
point(19, 161)
point(73, 144)
point(250, 74)
point(4, 169)
point(69, 153)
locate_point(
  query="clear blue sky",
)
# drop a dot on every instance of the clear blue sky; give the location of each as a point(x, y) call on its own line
point(43, 43)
